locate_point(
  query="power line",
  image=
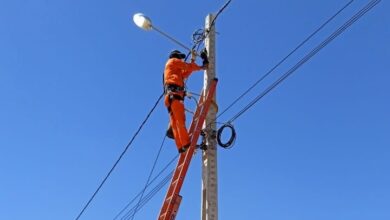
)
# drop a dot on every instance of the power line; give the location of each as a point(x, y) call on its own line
point(142, 201)
point(285, 58)
point(150, 183)
point(218, 13)
point(119, 158)
point(201, 34)
point(149, 196)
point(347, 24)
point(132, 212)
point(150, 176)
point(335, 34)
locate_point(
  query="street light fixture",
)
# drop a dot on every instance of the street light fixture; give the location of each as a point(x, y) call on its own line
point(145, 23)
point(142, 21)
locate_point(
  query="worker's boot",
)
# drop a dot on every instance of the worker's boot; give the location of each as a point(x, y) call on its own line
point(184, 148)
point(169, 132)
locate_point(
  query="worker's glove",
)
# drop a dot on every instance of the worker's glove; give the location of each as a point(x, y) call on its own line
point(205, 62)
point(203, 54)
point(204, 57)
point(193, 55)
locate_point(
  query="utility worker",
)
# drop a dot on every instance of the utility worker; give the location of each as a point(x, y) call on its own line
point(176, 71)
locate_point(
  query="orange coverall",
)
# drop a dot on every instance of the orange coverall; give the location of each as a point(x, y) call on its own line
point(176, 70)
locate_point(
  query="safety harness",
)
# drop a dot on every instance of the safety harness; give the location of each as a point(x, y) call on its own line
point(174, 88)
point(172, 91)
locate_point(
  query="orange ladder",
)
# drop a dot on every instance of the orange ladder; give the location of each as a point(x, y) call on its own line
point(172, 199)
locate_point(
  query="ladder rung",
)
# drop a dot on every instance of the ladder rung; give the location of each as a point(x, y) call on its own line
point(165, 214)
point(169, 199)
point(180, 166)
point(196, 118)
point(162, 216)
point(175, 181)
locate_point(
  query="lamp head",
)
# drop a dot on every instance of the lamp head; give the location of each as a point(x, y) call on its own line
point(142, 21)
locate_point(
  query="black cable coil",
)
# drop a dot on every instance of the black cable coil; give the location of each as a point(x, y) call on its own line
point(232, 138)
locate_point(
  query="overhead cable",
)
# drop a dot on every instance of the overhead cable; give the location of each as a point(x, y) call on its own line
point(200, 35)
point(149, 196)
point(285, 58)
point(305, 59)
point(218, 13)
point(293, 69)
point(149, 177)
point(149, 184)
point(335, 34)
point(119, 158)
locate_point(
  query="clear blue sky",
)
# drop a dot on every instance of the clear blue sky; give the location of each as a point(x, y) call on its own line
point(78, 77)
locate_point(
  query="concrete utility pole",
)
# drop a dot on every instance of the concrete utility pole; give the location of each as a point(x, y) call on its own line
point(209, 157)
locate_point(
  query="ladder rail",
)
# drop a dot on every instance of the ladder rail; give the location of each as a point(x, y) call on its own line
point(171, 201)
point(175, 178)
